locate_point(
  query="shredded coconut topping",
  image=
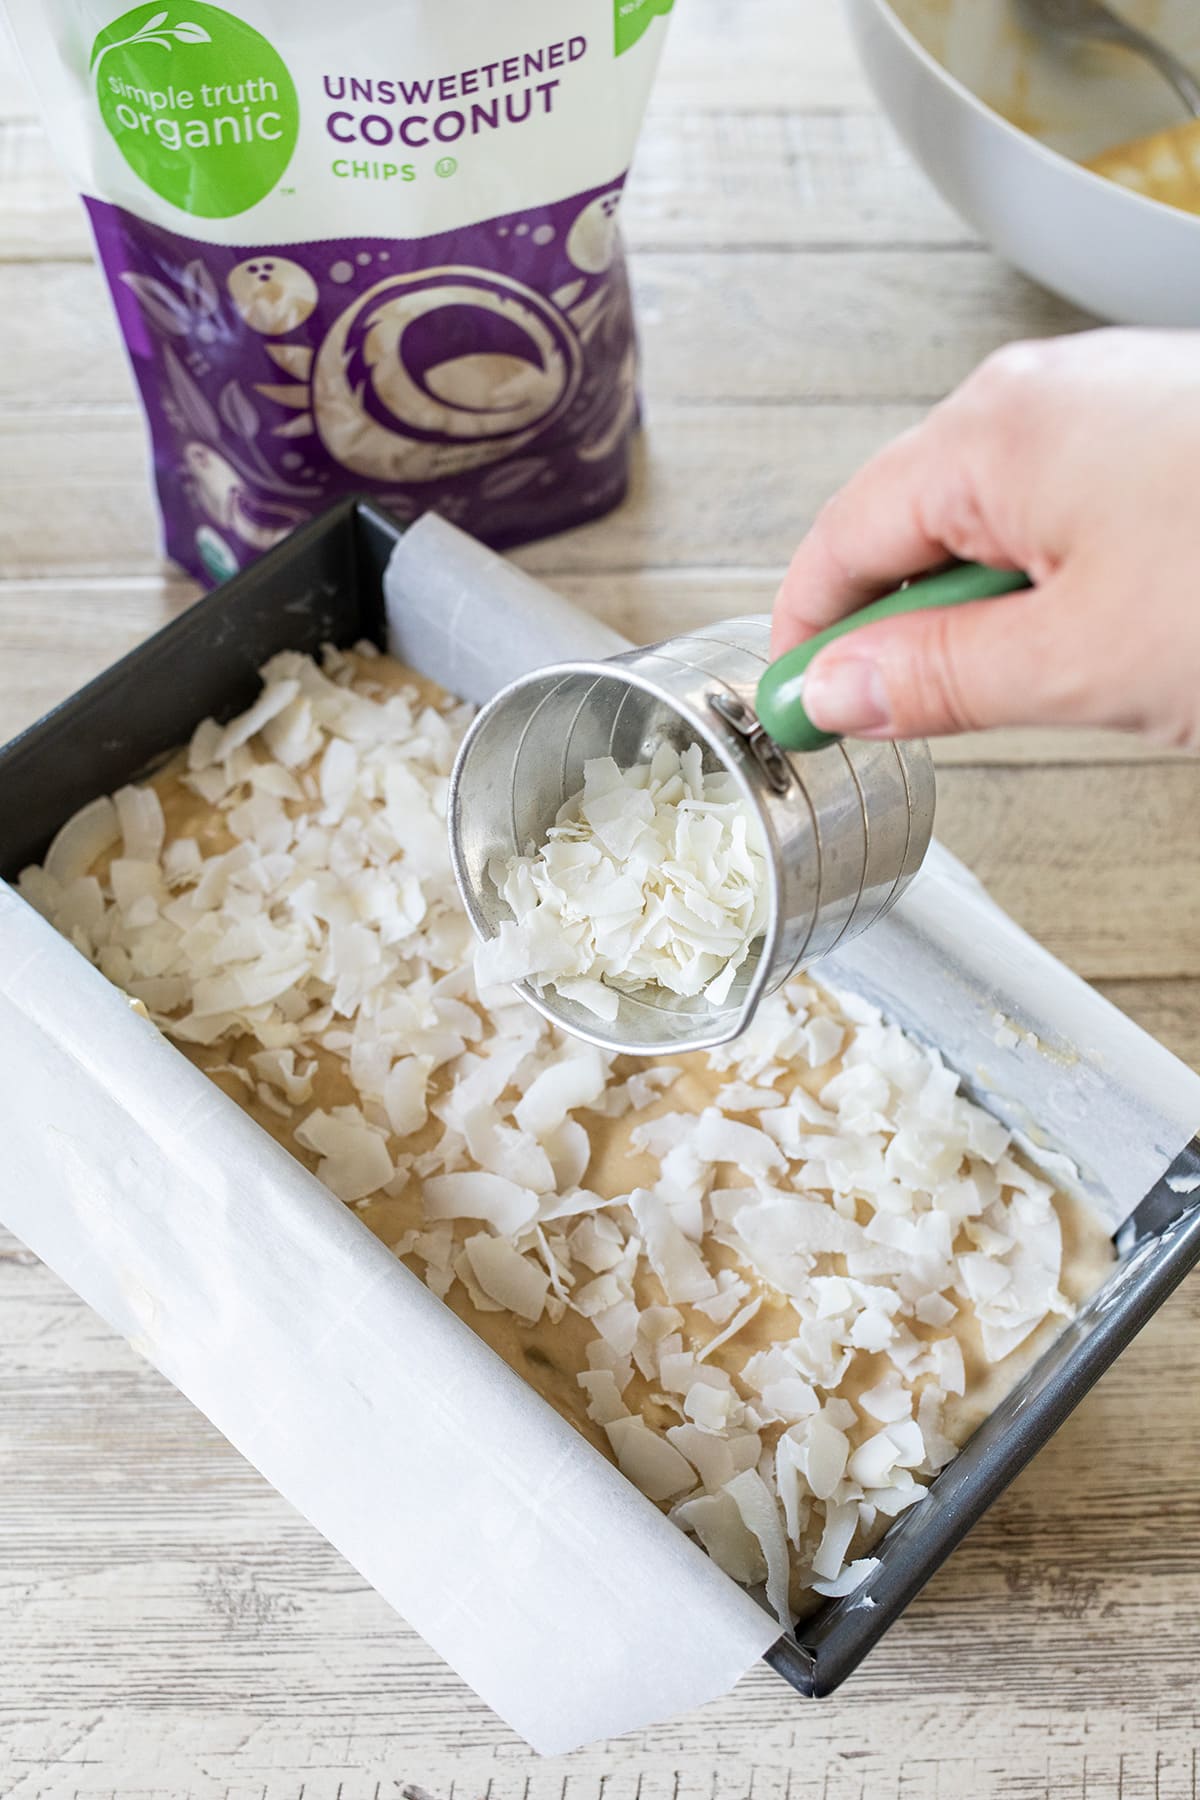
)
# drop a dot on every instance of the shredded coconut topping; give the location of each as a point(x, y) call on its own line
point(652, 876)
point(773, 1311)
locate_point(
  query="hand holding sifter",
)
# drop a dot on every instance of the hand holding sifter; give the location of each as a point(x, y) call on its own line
point(846, 823)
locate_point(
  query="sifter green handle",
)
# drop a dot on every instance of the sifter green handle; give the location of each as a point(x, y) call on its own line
point(780, 699)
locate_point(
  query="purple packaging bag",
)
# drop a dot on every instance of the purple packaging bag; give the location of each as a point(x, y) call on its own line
point(361, 249)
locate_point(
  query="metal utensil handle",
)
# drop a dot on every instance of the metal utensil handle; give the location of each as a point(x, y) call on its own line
point(1084, 21)
point(780, 698)
point(1168, 65)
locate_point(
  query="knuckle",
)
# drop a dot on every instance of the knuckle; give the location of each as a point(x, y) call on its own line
point(1006, 389)
point(1023, 363)
point(954, 515)
point(1001, 417)
point(831, 534)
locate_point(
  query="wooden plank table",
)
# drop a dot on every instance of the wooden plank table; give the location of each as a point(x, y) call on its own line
point(169, 1628)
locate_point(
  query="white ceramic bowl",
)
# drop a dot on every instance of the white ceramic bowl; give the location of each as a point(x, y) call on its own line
point(946, 72)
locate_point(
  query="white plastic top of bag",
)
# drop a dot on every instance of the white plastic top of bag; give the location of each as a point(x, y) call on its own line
point(263, 107)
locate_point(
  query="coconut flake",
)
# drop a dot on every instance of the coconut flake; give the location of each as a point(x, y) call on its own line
point(851, 1577)
point(946, 1361)
point(935, 1309)
point(872, 1462)
point(604, 1396)
point(571, 1204)
point(760, 1514)
point(578, 1079)
point(724, 1303)
point(823, 1451)
point(841, 1523)
point(618, 1326)
point(744, 1096)
point(823, 1038)
point(593, 996)
point(140, 815)
point(475, 1194)
point(85, 837)
point(354, 1156)
point(568, 1150)
point(938, 1448)
point(708, 1407)
point(273, 699)
point(790, 1398)
point(677, 1263)
point(739, 1321)
point(404, 1091)
point(780, 1234)
point(709, 1455)
point(596, 1243)
point(716, 1139)
point(507, 1277)
point(888, 1401)
point(792, 1490)
point(648, 1460)
point(717, 1521)
point(652, 876)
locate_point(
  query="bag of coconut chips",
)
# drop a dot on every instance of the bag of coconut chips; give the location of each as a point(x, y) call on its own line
point(357, 247)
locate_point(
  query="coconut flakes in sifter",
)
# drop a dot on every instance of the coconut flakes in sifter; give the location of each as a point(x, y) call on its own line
point(651, 876)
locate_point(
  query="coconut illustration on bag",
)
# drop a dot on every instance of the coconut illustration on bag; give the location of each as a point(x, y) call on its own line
point(433, 373)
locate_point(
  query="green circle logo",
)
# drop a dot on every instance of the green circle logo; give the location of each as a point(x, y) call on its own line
point(201, 106)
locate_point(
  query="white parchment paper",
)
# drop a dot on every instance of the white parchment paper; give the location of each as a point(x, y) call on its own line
point(475, 622)
point(562, 1596)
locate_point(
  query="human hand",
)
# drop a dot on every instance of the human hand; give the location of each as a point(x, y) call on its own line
point(1077, 460)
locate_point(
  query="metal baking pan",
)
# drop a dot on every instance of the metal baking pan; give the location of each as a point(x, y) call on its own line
point(325, 585)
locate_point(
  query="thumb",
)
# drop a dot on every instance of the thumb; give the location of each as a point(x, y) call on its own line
point(1008, 661)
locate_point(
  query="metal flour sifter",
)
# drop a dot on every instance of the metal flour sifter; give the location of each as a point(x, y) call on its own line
point(846, 823)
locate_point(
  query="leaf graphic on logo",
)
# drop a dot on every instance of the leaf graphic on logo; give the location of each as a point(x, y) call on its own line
point(237, 411)
point(160, 305)
point(145, 34)
point(191, 402)
point(188, 32)
point(200, 288)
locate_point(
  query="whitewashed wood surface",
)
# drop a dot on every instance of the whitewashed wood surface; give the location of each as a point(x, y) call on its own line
point(169, 1628)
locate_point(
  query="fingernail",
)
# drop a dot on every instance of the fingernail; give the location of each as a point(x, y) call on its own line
point(846, 695)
